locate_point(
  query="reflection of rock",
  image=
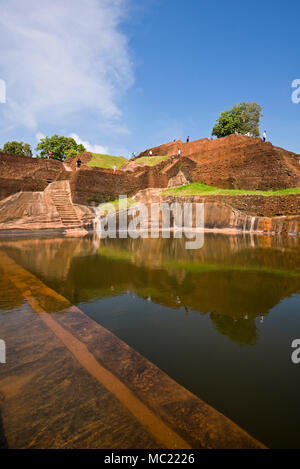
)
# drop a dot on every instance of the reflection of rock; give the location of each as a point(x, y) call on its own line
point(3, 440)
point(238, 330)
point(233, 276)
point(51, 258)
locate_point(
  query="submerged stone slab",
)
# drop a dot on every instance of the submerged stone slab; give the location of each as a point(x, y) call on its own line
point(70, 383)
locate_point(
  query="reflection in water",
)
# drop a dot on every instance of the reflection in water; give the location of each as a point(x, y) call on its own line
point(235, 279)
point(3, 441)
point(223, 317)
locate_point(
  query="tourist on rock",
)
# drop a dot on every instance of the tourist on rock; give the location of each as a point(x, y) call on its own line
point(115, 169)
point(150, 153)
point(78, 164)
point(172, 159)
point(265, 136)
point(178, 154)
point(50, 155)
point(187, 139)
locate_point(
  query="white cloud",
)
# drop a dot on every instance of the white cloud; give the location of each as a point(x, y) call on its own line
point(89, 147)
point(39, 136)
point(61, 59)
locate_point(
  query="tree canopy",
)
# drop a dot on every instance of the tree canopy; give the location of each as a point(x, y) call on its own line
point(60, 147)
point(17, 148)
point(242, 118)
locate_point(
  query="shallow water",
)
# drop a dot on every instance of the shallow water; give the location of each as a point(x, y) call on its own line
point(220, 320)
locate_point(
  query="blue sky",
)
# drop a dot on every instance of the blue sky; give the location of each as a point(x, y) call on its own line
point(124, 75)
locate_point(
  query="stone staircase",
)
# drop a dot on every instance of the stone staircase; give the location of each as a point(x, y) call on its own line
point(61, 197)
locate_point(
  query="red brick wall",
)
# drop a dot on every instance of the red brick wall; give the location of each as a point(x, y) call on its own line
point(237, 162)
point(20, 173)
point(94, 186)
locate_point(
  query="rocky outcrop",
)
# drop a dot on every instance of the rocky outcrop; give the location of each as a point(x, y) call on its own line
point(178, 180)
point(93, 186)
point(220, 213)
point(39, 194)
point(235, 162)
point(50, 210)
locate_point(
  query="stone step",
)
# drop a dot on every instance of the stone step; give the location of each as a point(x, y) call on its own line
point(70, 219)
point(66, 213)
point(69, 215)
point(68, 223)
point(63, 203)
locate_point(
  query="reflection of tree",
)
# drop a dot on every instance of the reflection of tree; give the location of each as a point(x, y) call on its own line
point(232, 275)
point(242, 331)
point(10, 298)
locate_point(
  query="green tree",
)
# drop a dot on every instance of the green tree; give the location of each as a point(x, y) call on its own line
point(60, 147)
point(242, 118)
point(17, 148)
point(72, 152)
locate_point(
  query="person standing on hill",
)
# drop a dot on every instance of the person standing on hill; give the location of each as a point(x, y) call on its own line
point(50, 155)
point(265, 136)
point(179, 153)
point(172, 159)
point(115, 169)
point(150, 153)
point(78, 163)
point(188, 139)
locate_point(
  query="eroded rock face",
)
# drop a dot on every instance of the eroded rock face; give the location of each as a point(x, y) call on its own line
point(221, 214)
point(231, 162)
point(40, 211)
point(23, 174)
point(29, 211)
point(178, 180)
point(235, 162)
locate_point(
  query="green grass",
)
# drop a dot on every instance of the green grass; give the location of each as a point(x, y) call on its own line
point(197, 188)
point(108, 207)
point(151, 160)
point(198, 267)
point(125, 256)
point(201, 268)
point(107, 161)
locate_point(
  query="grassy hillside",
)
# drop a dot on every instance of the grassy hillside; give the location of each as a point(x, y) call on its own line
point(197, 188)
point(113, 205)
point(107, 161)
point(151, 160)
